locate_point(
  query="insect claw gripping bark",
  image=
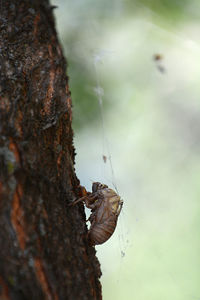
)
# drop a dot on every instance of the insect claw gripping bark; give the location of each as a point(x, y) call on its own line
point(106, 206)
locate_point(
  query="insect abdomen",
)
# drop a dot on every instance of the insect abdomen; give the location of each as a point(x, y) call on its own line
point(100, 233)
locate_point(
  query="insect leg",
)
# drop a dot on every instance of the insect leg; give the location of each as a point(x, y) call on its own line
point(91, 218)
point(120, 207)
point(78, 200)
point(90, 201)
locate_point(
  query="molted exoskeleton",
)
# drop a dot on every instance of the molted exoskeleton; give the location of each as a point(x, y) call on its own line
point(106, 205)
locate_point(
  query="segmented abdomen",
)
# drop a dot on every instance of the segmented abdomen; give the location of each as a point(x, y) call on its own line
point(100, 233)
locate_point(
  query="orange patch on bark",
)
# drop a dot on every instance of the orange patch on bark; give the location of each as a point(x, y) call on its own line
point(50, 51)
point(59, 162)
point(4, 292)
point(67, 89)
point(69, 101)
point(14, 149)
point(42, 279)
point(36, 20)
point(69, 106)
point(59, 159)
point(17, 217)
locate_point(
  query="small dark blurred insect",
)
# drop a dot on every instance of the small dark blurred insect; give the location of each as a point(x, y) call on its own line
point(158, 58)
point(106, 206)
point(104, 158)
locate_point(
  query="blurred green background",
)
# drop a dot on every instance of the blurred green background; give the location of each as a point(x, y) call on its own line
point(142, 58)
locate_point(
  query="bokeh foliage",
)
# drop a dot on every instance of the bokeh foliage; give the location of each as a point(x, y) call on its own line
point(152, 113)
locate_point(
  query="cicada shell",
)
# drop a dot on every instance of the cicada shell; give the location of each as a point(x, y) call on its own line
point(106, 205)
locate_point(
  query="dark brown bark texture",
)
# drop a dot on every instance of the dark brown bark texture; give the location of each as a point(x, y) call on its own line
point(44, 253)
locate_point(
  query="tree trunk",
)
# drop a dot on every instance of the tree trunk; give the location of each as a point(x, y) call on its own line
point(44, 253)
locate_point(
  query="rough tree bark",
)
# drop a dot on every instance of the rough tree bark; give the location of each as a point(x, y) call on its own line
point(44, 252)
